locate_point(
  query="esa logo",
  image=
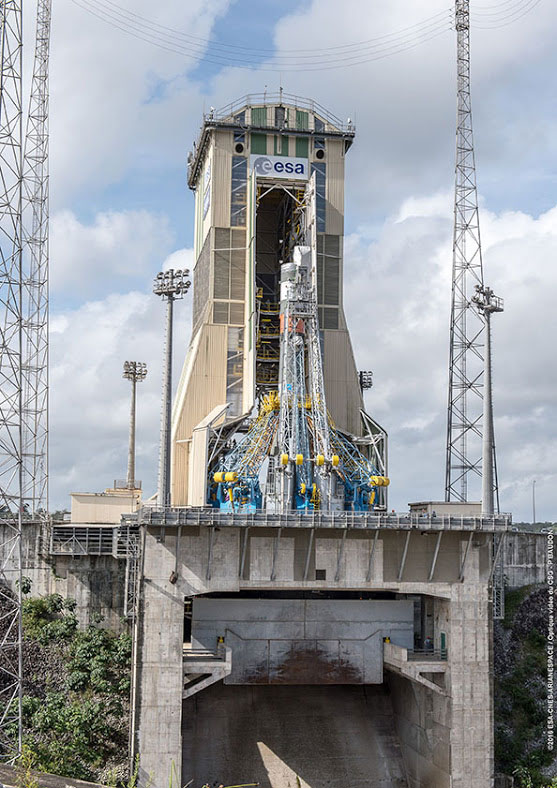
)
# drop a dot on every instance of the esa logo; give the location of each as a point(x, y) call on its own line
point(281, 167)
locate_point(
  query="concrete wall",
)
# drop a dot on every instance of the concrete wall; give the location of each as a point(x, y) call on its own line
point(292, 737)
point(423, 724)
point(525, 559)
point(300, 641)
point(105, 507)
point(95, 582)
point(208, 560)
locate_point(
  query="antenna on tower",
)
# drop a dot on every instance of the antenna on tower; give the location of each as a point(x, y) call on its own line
point(467, 327)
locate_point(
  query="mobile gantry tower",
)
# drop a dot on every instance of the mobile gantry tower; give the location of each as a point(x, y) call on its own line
point(268, 177)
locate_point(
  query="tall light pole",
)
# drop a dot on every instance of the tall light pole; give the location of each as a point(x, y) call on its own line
point(135, 372)
point(170, 285)
point(487, 303)
point(534, 502)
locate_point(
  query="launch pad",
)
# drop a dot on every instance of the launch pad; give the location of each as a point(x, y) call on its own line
point(278, 565)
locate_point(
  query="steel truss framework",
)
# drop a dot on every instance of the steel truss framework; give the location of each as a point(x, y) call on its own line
point(464, 431)
point(12, 344)
point(35, 251)
point(23, 337)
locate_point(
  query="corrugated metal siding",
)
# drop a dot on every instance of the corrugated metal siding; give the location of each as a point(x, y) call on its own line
point(201, 290)
point(342, 388)
point(258, 143)
point(204, 224)
point(335, 187)
point(224, 140)
point(259, 116)
point(206, 388)
point(222, 174)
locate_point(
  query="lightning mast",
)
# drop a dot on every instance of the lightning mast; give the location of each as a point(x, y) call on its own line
point(12, 343)
point(36, 260)
point(467, 326)
point(23, 337)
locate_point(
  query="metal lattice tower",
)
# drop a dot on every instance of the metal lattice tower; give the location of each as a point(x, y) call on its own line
point(464, 432)
point(12, 348)
point(24, 337)
point(36, 260)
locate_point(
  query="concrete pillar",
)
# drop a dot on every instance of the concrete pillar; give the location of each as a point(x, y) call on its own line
point(159, 702)
point(471, 689)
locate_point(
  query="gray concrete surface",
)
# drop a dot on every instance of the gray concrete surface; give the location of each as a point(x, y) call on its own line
point(9, 777)
point(292, 737)
point(303, 641)
point(525, 559)
point(423, 724)
point(96, 582)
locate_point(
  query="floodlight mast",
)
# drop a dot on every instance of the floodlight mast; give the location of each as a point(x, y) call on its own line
point(366, 380)
point(487, 303)
point(135, 372)
point(170, 285)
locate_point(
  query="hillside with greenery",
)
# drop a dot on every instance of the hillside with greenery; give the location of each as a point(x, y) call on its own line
point(520, 669)
point(75, 693)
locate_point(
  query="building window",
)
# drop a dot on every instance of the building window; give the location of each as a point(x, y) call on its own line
point(318, 125)
point(320, 170)
point(259, 143)
point(230, 265)
point(280, 117)
point(220, 312)
point(302, 147)
point(239, 192)
point(302, 120)
point(281, 145)
point(328, 280)
point(234, 370)
point(201, 283)
point(259, 116)
point(328, 270)
point(240, 118)
point(328, 317)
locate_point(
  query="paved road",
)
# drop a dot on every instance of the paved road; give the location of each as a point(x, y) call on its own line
point(292, 737)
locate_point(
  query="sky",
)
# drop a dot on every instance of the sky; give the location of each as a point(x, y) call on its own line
point(123, 115)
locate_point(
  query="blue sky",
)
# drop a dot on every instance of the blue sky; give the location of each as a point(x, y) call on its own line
point(123, 117)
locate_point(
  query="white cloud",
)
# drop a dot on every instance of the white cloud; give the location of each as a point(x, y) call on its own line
point(105, 111)
point(90, 399)
point(118, 249)
point(397, 302)
point(123, 114)
point(399, 285)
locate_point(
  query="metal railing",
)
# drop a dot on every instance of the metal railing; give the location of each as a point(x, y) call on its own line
point(425, 654)
point(163, 516)
point(202, 654)
point(81, 540)
point(122, 484)
point(227, 112)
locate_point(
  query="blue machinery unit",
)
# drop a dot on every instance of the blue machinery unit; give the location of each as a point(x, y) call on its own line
point(236, 485)
point(308, 464)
